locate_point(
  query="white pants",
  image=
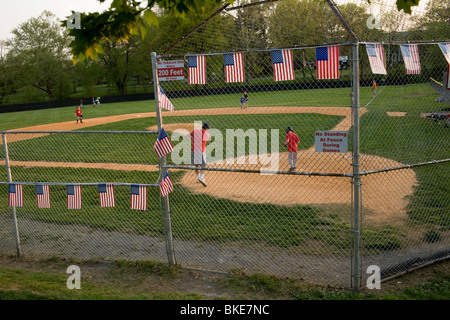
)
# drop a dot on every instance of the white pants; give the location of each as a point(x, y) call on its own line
point(292, 158)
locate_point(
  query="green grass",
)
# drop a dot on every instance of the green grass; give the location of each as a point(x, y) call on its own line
point(29, 285)
point(46, 279)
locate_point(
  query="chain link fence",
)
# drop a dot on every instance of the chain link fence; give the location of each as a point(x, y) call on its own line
point(370, 185)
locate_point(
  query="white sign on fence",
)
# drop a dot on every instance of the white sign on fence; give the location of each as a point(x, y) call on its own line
point(331, 141)
point(170, 70)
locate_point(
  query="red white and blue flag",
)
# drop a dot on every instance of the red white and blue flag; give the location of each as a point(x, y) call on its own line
point(327, 62)
point(197, 70)
point(15, 195)
point(163, 145)
point(106, 195)
point(74, 196)
point(376, 58)
point(164, 102)
point(166, 186)
point(138, 197)
point(43, 196)
point(410, 53)
point(445, 47)
point(234, 67)
point(283, 66)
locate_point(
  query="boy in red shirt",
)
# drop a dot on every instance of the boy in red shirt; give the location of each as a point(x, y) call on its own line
point(198, 154)
point(291, 142)
point(79, 115)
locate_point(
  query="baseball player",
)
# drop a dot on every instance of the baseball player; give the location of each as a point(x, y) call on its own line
point(291, 143)
point(199, 138)
point(245, 100)
point(78, 114)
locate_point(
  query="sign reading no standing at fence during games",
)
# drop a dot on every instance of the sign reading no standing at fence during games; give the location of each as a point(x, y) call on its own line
point(170, 70)
point(331, 141)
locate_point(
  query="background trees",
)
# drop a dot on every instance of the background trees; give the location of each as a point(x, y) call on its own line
point(114, 47)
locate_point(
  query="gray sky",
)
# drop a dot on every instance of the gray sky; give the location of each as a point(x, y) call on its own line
point(15, 12)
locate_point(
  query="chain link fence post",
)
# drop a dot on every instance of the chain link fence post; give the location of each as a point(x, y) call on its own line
point(163, 169)
point(356, 180)
point(13, 208)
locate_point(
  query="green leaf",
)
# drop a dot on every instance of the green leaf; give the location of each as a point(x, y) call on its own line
point(406, 5)
point(150, 17)
point(143, 30)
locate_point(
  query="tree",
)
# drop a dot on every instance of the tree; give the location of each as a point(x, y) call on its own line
point(129, 17)
point(117, 61)
point(7, 73)
point(40, 56)
point(124, 19)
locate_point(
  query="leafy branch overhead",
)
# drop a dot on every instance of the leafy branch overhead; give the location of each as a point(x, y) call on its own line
point(123, 19)
point(126, 18)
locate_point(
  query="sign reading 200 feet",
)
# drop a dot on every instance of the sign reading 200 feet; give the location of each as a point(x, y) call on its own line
point(170, 70)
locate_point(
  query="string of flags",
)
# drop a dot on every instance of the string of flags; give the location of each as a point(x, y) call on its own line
point(327, 63)
point(106, 193)
point(138, 195)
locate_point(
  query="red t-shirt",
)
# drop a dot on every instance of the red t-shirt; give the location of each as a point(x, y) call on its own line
point(78, 112)
point(199, 139)
point(293, 141)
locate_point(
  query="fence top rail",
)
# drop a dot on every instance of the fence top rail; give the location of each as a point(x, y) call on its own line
point(79, 183)
point(82, 132)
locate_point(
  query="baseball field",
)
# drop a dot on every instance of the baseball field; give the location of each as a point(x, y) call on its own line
point(393, 133)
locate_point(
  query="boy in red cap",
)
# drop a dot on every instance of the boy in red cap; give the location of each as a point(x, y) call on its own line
point(291, 143)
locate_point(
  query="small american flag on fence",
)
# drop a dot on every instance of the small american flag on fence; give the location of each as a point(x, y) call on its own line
point(410, 53)
point(74, 196)
point(138, 197)
point(166, 186)
point(197, 70)
point(445, 47)
point(376, 58)
point(106, 195)
point(327, 62)
point(15, 195)
point(43, 196)
point(164, 102)
point(283, 66)
point(234, 67)
point(163, 145)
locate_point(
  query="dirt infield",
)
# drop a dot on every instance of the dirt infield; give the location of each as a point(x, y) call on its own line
point(383, 196)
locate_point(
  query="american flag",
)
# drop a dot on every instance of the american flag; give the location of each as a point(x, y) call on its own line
point(73, 196)
point(106, 195)
point(138, 197)
point(376, 58)
point(283, 66)
point(43, 196)
point(15, 195)
point(234, 67)
point(164, 102)
point(166, 186)
point(163, 145)
point(327, 62)
point(410, 53)
point(445, 47)
point(197, 69)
